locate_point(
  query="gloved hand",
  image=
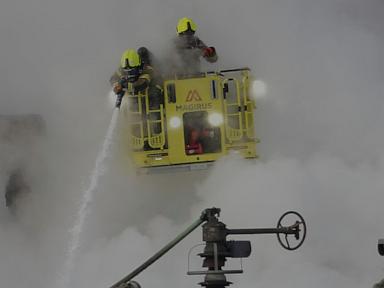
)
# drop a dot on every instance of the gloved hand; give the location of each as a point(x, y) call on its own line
point(117, 88)
point(209, 52)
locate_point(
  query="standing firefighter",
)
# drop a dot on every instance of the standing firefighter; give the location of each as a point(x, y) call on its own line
point(189, 48)
point(136, 75)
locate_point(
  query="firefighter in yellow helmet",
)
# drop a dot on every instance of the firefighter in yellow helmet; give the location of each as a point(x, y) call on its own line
point(136, 72)
point(189, 48)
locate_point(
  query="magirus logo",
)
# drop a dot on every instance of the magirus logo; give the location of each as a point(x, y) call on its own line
point(193, 95)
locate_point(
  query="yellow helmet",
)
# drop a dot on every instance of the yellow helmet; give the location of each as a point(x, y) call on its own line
point(130, 59)
point(186, 24)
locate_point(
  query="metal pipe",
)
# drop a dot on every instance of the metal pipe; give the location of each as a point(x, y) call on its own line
point(164, 250)
point(285, 230)
point(216, 260)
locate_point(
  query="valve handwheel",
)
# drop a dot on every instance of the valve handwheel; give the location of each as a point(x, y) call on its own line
point(298, 230)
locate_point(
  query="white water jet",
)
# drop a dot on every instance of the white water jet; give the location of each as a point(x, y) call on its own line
point(98, 170)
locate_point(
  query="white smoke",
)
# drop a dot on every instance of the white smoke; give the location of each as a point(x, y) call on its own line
point(340, 249)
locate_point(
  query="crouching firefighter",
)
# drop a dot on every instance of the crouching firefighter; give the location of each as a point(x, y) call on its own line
point(135, 76)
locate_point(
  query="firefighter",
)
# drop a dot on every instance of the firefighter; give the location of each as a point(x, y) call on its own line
point(189, 48)
point(194, 145)
point(201, 140)
point(139, 74)
point(146, 56)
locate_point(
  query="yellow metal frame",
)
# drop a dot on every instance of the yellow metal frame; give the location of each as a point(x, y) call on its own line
point(192, 94)
point(233, 134)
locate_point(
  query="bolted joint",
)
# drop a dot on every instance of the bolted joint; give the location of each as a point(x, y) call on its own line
point(210, 213)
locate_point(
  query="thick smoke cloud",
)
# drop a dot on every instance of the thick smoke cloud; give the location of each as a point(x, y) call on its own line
point(343, 227)
point(320, 126)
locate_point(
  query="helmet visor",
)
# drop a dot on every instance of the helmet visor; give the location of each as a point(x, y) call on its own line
point(130, 58)
point(185, 25)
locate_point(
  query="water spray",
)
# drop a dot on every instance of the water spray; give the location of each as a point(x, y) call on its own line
point(97, 172)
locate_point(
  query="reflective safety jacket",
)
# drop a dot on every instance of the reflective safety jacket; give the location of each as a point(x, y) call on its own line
point(189, 49)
